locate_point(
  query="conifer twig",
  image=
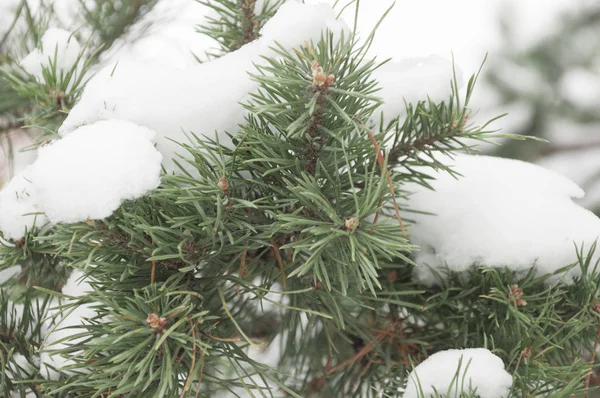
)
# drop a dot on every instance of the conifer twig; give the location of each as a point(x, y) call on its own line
point(193, 364)
point(596, 308)
point(153, 270)
point(381, 161)
point(279, 262)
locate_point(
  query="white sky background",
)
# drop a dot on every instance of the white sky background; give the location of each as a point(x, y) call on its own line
point(466, 28)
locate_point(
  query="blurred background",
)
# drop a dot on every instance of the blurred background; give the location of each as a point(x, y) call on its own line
point(542, 67)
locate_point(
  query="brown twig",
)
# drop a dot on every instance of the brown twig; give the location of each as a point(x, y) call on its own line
point(381, 161)
point(224, 339)
point(249, 24)
point(592, 361)
point(153, 272)
point(279, 262)
point(189, 377)
point(376, 215)
point(201, 374)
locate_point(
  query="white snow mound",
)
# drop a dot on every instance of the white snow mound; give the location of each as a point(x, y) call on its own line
point(88, 174)
point(55, 42)
point(480, 371)
point(501, 212)
point(204, 98)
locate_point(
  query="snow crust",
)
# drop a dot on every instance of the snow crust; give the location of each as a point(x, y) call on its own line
point(480, 371)
point(89, 173)
point(501, 212)
point(58, 45)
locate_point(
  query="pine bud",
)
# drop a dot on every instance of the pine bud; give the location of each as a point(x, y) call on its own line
point(515, 294)
point(155, 322)
point(319, 77)
point(351, 223)
point(526, 353)
point(463, 123)
point(223, 185)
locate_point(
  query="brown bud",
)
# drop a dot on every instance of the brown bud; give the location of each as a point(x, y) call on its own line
point(351, 223)
point(526, 352)
point(392, 276)
point(155, 322)
point(463, 123)
point(223, 184)
point(515, 294)
point(319, 77)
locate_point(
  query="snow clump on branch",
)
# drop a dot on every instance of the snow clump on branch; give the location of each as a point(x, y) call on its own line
point(460, 371)
point(59, 47)
point(498, 213)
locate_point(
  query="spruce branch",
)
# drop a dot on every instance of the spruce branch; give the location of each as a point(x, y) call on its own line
point(238, 22)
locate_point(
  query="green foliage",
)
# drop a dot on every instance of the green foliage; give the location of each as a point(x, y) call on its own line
point(110, 19)
point(238, 22)
point(289, 238)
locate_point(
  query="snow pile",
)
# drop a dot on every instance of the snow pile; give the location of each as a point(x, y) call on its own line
point(204, 98)
point(19, 208)
point(66, 325)
point(58, 47)
point(460, 371)
point(86, 175)
point(501, 212)
point(582, 167)
point(90, 172)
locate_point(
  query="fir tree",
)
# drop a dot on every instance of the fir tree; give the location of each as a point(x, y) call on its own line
point(293, 232)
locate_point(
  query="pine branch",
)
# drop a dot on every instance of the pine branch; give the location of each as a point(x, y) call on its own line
point(238, 22)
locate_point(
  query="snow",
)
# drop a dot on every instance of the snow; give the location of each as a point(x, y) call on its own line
point(89, 173)
point(480, 371)
point(8, 273)
point(204, 98)
point(19, 365)
point(501, 212)
point(77, 285)
point(166, 36)
point(58, 46)
point(86, 175)
point(583, 167)
point(65, 326)
point(19, 207)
